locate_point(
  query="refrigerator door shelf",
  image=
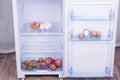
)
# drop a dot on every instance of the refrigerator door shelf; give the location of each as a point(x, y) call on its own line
point(103, 37)
point(55, 30)
point(92, 12)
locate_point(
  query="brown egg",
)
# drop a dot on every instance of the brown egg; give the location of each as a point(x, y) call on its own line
point(94, 33)
point(98, 33)
point(81, 35)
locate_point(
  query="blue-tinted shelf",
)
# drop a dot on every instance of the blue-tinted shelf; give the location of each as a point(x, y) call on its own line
point(104, 37)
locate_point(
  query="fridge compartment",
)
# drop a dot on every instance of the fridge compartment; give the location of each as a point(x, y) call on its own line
point(92, 36)
point(55, 29)
point(39, 10)
point(41, 61)
point(36, 46)
point(92, 11)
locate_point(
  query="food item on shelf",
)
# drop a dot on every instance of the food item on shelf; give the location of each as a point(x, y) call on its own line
point(52, 66)
point(40, 60)
point(38, 65)
point(58, 62)
point(94, 33)
point(81, 35)
point(98, 33)
point(30, 64)
point(86, 32)
point(35, 25)
point(48, 60)
point(45, 25)
point(33, 63)
point(29, 67)
point(43, 65)
point(26, 62)
point(24, 66)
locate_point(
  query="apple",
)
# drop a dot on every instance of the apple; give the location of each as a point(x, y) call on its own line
point(43, 65)
point(48, 60)
point(52, 67)
point(58, 62)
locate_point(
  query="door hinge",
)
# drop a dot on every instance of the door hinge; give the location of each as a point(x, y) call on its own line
point(70, 71)
point(107, 70)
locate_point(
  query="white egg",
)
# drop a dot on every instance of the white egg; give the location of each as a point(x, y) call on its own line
point(48, 24)
point(42, 27)
point(86, 32)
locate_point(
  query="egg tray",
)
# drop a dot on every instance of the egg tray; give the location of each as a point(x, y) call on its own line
point(90, 38)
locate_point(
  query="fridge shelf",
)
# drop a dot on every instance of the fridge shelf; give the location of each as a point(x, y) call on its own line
point(37, 62)
point(92, 11)
point(41, 46)
point(103, 37)
point(55, 30)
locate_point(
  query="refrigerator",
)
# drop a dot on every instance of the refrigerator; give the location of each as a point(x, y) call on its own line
point(68, 38)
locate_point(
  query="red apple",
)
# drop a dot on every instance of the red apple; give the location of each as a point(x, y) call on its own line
point(58, 62)
point(52, 66)
point(48, 60)
point(43, 65)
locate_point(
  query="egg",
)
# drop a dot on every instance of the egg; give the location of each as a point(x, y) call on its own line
point(86, 32)
point(98, 33)
point(81, 35)
point(94, 33)
point(42, 27)
point(40, 23)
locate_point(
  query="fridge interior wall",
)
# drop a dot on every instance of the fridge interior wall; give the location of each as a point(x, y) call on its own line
point(39, 10)
point(38, 43)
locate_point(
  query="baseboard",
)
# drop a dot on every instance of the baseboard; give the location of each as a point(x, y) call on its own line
point(7, 51)
point(117, 44)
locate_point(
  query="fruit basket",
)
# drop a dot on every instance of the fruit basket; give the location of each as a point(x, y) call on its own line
point(41, 61)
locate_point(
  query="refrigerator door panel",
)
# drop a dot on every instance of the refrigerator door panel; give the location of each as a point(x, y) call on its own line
point(89, 59)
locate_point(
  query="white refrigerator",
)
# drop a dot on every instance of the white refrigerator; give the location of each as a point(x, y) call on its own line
point(68, 38)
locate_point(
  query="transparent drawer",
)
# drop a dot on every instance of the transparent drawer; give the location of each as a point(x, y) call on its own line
point(41, 61)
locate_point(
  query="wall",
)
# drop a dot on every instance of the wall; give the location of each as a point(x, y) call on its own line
point(6, 27)
point(118, 29)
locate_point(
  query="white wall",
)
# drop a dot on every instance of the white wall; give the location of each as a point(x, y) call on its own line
point(6, 27)
point(118, 28)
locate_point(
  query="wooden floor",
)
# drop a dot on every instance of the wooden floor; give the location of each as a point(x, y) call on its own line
point(8, 69)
